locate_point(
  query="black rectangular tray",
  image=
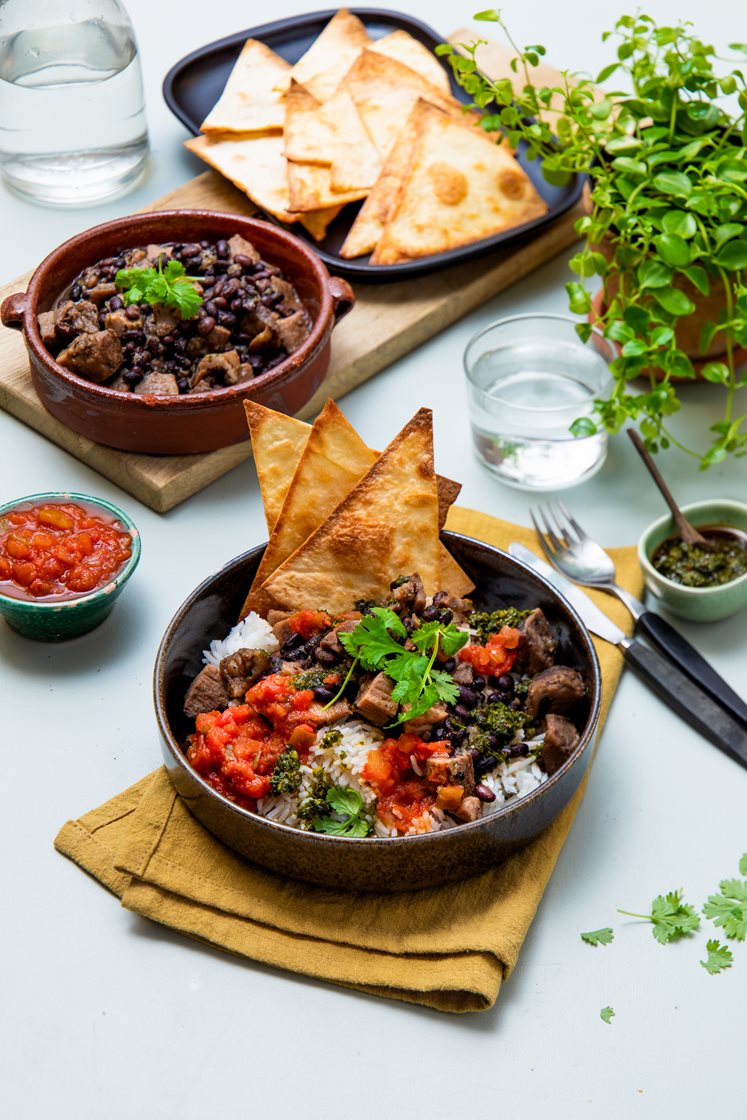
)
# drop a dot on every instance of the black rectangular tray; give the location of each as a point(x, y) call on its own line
point(194, 84)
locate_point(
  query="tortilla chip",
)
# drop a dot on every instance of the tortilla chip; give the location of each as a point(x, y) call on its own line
point(318, 221)
point(255, 164)
point(385, 527)
point(310, 188)
point(249, 102)
point(330, 56)
point(308, 135)
point(402, 47)
point(332, 462)
point(277, 443)
point(385, 93)
point(462, 187)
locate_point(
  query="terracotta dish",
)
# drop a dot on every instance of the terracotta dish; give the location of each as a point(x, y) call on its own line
point(372, 864)
point(191, 423)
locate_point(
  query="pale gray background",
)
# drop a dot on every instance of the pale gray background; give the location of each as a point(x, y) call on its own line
point(105, 1015)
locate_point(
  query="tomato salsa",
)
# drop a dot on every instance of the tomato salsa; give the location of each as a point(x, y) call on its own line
point(60, 550)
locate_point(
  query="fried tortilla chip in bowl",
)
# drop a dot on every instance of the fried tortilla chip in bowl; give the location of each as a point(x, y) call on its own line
point(365, 725)
point(174, 408)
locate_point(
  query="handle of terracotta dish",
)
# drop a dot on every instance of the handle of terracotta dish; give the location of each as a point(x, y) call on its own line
point(343, 296)
point(12, 310)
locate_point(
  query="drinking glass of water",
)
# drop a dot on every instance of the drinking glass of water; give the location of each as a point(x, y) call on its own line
point(528, 379)
point(72, 116)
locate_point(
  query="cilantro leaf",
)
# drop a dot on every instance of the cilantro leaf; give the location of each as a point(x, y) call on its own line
point(598, 936)
point(729, 908)
point(448, 690)
point(607, 1014)
point(670, 917)
point(371, 641)
point(169, 286)
point(347, 817)
point(743, 865)
point(719, 957)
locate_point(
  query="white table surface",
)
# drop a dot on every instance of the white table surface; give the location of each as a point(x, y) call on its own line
point(106, 1015)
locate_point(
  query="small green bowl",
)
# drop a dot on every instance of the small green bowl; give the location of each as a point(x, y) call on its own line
point(57, 621)
point(699, 604)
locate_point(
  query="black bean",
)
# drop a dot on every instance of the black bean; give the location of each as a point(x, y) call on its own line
point(226, 319)
point(515, 705)
point(132, 376)
point(204, 244)
point(221, 248)
point(132, 312)
point(440, 733)
point(438, 598)
point(168, 340)
point(462, 711)
point(220, 302)
point(478, 683)
point(205, 325)
point(491, 697)
point(484, 792)
point(237, 305)
point(115, 303)
point(244, 261)
point(76, 292)
point(190, 251)
point(446, 616)
point(294, 655)
point(182, 384)
point(323, 693)
point(484, 765)
point(430, 614)
point(209, 308)
point(506, 683)
point(295, 641)
point(466, 696)
point(102, 320)
point(325, 657)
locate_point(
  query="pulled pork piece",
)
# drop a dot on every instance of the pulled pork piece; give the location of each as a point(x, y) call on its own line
point(460, 608)
point(464, 673)
point(47, 321)
point(164, 321)
point(320, 716)
point(537, 645)
point(282, 629)
point(118, 322)
point(457, 770)
point(158, 385)
point(561, 740)
point(374, 700)
point(222, 364)
point(469, 810)
point(275, 616)
point(241, 669)
point(206, 693)
point(96, 356)
point(77, 318)
point(409, 596)
point(435, 716)
point(239, 247)
point(102, 291)
point(555, 690)
point(293, 330)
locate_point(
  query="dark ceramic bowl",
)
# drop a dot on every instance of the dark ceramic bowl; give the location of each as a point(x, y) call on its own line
point(56, 621)
point(376, 864)
point(186, 424)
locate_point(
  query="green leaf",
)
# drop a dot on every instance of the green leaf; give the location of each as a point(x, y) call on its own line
point(725, 232)
point(743, 865)
point(607, 1014)
point(716, 372)
point(598, 936)
point(674, 301)
point(635, 349)
point(490, 15)
point(371, 640)
point(719, 957)
point(654, 274)
point(729, 908)
point(671, 918)
point(680, 223)
point(673, 250)
point(606, 73)
point(579, 300)
point(733, 256)
point(673, 183)
point(699, 277)
point(630, 166)
point(661, 336)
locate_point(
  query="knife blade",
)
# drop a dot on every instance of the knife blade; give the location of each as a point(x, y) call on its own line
point(661, 675)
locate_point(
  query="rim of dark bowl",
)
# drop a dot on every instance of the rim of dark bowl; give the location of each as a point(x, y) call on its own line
point(589, 731)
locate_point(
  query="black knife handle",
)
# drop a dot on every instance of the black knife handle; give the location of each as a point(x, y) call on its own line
point(676, 646)
point(689, 701)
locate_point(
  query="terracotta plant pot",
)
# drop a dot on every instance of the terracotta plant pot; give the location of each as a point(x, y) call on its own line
point(188, 423)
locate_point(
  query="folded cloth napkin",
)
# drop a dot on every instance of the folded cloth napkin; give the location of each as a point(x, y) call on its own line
point(448, 948)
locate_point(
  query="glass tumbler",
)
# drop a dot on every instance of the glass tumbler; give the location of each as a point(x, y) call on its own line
point(528, 379)
point(72, 115)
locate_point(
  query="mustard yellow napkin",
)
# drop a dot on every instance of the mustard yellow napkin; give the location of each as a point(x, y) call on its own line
point(448, 948)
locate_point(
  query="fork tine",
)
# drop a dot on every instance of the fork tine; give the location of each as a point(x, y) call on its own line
point(566, 537)
point(572, 521)
point(543, 540)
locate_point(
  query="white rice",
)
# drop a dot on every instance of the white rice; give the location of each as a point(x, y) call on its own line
point(251, 633)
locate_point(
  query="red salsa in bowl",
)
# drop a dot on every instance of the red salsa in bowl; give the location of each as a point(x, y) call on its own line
point(64, 558)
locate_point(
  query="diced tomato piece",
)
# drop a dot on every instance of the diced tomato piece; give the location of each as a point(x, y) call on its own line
point(56, 518)
point(302, 737)
point(308, 623)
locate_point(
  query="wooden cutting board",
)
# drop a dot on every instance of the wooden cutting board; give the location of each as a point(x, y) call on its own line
point(388, 321)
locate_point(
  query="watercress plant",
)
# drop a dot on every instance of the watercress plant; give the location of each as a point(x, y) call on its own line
point(667, 223)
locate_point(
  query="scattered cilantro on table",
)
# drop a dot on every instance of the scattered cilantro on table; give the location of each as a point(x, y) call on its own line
point(607, 1014)
point(169, 286)
point(671, 918)
point(719, 957)
point(598, 936)
point(729, 908)
point(346, 818)
point(743, 865)
point(373, 644)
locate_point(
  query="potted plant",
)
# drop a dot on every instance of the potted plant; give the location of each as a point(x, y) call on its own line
point(666, 229)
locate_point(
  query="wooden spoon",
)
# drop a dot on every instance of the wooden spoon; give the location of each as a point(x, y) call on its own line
point(687, 532)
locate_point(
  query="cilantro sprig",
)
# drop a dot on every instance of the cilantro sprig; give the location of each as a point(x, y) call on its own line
point(719, 957)
point(598, 936)
point(346, 818)
point(607, 1014)
point(419, 685)
point(670, 917)
point(169, 286)
point(729, 908)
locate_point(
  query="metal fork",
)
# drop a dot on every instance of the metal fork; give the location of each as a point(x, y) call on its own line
point(583, 560)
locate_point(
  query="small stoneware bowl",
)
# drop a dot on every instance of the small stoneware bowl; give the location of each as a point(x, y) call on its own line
point(382, 863)
point(699, 604)
point(54, 621)
point(191, 422)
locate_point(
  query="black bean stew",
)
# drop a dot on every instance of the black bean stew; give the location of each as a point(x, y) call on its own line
point(250, 318)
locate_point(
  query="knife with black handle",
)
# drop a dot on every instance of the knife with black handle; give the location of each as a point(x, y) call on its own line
point(679, 691)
